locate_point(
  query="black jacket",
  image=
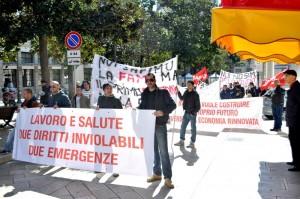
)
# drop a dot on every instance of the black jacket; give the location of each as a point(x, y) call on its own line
point(109, 102)
point(162, 101)
point(32, 103)
point(278, 96)
point(293, 105)
point(191, 101)
point(60, 99)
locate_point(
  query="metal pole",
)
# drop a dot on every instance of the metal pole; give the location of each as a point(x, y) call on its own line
point(19, 79)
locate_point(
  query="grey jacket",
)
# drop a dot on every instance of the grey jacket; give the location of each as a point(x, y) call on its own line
point(84, 102)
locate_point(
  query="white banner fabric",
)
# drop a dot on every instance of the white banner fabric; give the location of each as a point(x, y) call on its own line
point(106, 140)
point(215, 115)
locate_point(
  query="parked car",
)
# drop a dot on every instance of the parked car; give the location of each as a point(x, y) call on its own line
point(267, 104)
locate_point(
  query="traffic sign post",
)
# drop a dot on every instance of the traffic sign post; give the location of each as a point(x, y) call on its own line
point(73, 41)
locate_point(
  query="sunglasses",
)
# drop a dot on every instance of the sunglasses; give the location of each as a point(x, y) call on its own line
point(149, 80)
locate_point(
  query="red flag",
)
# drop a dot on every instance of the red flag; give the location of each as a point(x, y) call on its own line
point(270, 82)
point(202, 76)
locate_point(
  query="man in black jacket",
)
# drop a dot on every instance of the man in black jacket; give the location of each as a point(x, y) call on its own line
point(191, 106)
point(293, 117)
point(277, 105)
point(159, 100)
point(108, 100)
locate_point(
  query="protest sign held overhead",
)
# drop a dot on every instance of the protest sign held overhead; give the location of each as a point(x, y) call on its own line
point(104, 140)
point(243, 78)
point(128, 81)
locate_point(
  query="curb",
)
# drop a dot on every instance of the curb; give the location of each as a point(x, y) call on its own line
point(5, 158)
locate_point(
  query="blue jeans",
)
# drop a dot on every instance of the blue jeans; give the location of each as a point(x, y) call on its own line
point(161, 153)
point(187, 117)
point(8, 146)
point(277, 114)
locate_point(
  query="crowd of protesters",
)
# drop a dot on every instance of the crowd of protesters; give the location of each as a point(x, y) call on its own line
point(236, 91)
point(153, 98)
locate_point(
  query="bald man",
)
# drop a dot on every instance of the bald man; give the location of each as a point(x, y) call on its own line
point(58, 99)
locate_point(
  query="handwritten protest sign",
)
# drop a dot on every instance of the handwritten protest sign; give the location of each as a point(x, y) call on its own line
point(129, 81)
point(119, 141)
point(243, 78)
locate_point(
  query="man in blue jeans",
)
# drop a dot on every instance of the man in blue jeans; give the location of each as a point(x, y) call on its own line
point(191, 106)
point(159, 100)
point(277, 106)
point(29, 102)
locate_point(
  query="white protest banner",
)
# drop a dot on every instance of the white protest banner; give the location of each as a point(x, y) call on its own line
point(128, 81)
point(215, 115)
point(107, 140)
point(243, 78)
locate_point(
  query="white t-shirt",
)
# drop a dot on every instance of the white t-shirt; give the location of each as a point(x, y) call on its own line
point(87, 93)
point(77, 101)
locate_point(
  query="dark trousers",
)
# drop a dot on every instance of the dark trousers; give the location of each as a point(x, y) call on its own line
point(277, 114)
point(294, 137)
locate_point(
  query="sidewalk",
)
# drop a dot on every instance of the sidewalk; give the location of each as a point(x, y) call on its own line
point(227, 165)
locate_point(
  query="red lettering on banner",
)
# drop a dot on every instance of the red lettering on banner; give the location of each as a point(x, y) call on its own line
point(54, 120)
point(130, 78)
point(55, 136)
point(36, 150)
point(108, 141)
point(72, 120)
point(104, 123)
point(83, 156)
point(25, 134)
point(248, 121)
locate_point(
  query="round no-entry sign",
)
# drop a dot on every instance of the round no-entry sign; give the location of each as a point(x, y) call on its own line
point(73, 40)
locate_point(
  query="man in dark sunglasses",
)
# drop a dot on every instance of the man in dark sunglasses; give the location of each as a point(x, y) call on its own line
point(159, 100)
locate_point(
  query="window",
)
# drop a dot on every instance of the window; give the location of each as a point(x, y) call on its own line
point(28, 78)
point(26, 58)
point(56, 75)
point(87, 74)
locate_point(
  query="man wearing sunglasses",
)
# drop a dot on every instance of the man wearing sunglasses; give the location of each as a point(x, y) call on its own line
point(159, 100)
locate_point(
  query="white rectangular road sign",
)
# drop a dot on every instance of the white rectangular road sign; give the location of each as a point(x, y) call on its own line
point(73, 54)
point(74, 61)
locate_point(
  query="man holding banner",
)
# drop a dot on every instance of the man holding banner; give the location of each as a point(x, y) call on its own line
point(159, 100)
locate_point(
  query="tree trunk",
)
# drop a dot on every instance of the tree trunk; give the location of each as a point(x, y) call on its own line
point(44, 58)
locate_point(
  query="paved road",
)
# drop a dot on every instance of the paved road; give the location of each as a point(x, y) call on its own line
point(227, 165)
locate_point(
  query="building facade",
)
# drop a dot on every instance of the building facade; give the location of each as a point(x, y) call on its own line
point(26, 71)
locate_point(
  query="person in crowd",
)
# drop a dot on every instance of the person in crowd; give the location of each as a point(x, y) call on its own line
point(79, 100)
point(277, 97)
point(45, 93)
point(191, 106)
point(159, 100)
point(225, 93)
point(252, 91)
point(231, 89)
point(293, 117)
point(238, 91)
point(58, 99)
point(30, 101)
point(108, 100)
point(86, 89)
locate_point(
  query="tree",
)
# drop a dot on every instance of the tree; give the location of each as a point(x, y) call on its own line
point(24, 20)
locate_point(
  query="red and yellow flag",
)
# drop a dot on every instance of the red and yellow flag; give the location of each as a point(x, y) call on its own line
point(265, 30)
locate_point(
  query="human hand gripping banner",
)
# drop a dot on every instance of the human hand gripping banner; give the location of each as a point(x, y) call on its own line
point(105, 140)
